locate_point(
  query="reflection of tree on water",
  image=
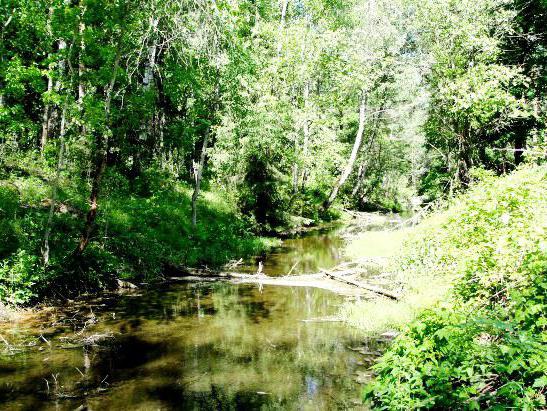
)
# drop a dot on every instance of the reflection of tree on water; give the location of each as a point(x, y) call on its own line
point(206, 346)
point(307, 254)
point(312, 386)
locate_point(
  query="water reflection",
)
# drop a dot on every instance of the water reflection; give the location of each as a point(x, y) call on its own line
point(216, 346)
point(303, 254)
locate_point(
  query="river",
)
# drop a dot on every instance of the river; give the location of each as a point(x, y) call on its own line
point(195, 346)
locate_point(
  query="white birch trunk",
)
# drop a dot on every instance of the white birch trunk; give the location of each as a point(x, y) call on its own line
point(352, 158)
point(55, 187)
point(306, 131)
point(284, 7)
point(198, 173)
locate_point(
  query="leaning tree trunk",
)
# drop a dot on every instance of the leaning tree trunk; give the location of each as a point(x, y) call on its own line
point(198, 174)
point(364, 164)
point(352, 157)
point(100, 166)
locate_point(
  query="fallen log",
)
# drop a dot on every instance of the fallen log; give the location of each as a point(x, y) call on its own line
point(316, 280)
point(364, 286)
point(323, 320)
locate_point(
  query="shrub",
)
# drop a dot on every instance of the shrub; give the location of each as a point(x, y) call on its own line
point(486, 347)
point(18, 276)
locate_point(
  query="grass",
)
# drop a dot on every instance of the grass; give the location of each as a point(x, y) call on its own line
point(428, 259)
point(422, 291)
point(377, 243)
point(141, 233)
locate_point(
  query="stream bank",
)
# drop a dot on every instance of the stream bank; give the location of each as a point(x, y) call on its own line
point(195, 345)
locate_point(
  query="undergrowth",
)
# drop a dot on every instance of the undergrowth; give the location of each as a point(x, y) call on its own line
point(475, 283)
point(141, 233)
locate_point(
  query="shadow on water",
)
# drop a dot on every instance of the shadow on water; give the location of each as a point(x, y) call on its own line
point(190, 346)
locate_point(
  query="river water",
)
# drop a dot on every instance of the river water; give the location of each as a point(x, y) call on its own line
point(192, 346)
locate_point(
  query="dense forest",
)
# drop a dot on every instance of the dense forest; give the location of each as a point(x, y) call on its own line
point(117, 115)
point(141, 137)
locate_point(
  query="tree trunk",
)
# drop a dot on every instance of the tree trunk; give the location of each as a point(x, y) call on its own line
point(47, 108)
point(55, 187)
point(306, 132)
point(198, 173)
point(284, 7)
point(151, 62)
point(464, 164)
point(45, 116)
point(364, 164)
point(360, 177)
point(520, 146)
point(295, 166)
point(62, 65)
point(81, 66)
point(147, 83)
point(352, 158)
point(51, 113)
point(100, 167)
point(295, 176)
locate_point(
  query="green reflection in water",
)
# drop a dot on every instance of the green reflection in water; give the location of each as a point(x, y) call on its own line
point(216, 346)
point(307, 253)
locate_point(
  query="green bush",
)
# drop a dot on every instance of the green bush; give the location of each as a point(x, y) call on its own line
point(485, 347)
point(9, 203)
point(466, 359)
point(19, 275)
point(137, 236)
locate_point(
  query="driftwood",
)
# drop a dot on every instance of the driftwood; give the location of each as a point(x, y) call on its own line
point(325, 280)
point(367, 287)
point(315, 280)
point(322, 320)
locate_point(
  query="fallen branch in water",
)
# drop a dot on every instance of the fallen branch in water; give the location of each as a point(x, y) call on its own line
point(293, 267)
point(315, 280)
point(367, 287)
point(322, 320)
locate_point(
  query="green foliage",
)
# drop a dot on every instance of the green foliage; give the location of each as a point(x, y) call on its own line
point(483, 111)
point(151, 233)
point(143, 229)
point(141, 235)
point(485, 347)
point(19, 277)
point(8, 211)
point(461, 360)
